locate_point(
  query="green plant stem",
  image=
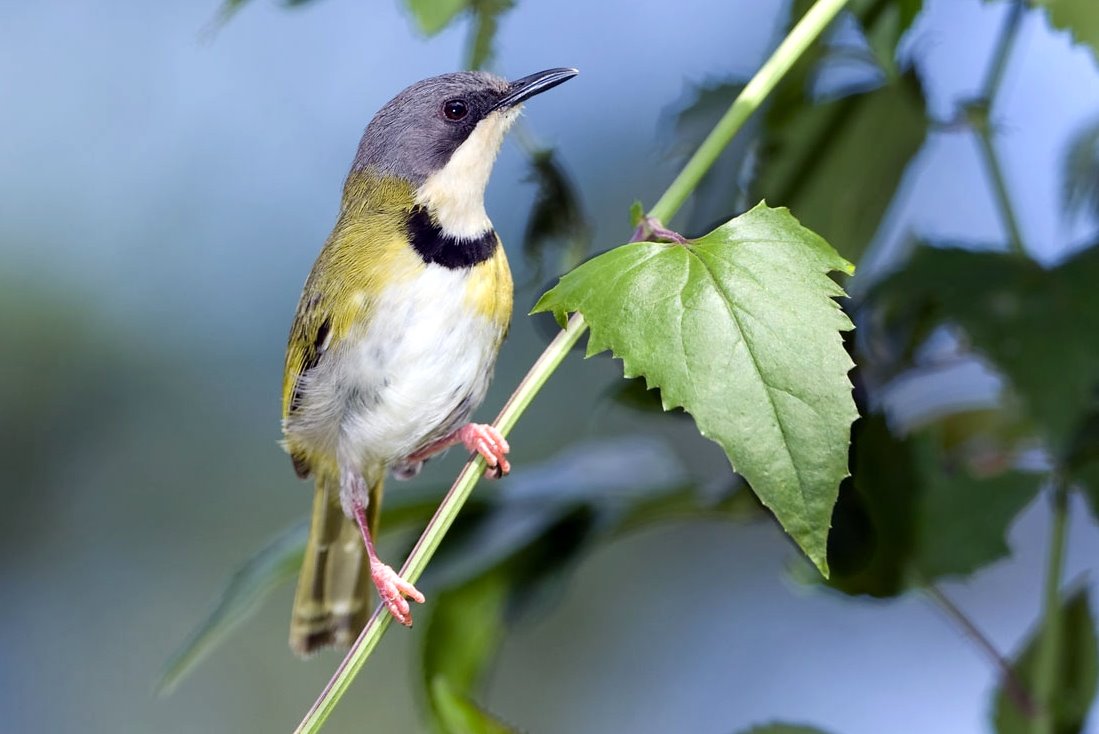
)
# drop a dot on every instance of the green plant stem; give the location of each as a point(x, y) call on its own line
point(1048, 664)
point(799, 39)
point(994, 77)
point(980, 115)
point(812, 24)
point(999, 189)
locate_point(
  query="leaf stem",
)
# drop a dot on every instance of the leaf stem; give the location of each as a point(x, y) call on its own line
point(1013, 686)
point(1004, 46)
point(1047, 665)
point(979, 113)
point(783, 58)
point(999, 188)
point(812, 24)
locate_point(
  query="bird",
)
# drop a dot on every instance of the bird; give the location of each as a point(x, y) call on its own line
point(396, 334)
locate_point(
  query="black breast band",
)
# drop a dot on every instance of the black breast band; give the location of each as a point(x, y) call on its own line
point(434, 246)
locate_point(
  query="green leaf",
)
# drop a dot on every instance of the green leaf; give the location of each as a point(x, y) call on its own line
point(1079, 17)
point(740, 329)
point(1076, 679)
point(275, 564)
point(1034, 324)
point(778, 728)
point(433, 16)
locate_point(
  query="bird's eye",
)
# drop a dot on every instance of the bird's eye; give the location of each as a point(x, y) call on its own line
point(455, 109)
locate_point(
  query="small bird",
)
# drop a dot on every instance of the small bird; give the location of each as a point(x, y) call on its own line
point(396, 334)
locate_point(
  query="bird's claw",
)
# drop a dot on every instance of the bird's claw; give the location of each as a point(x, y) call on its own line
point(490, 444)
point(393, 589)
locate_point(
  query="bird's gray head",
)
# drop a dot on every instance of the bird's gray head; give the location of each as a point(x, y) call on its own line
point(442, 135)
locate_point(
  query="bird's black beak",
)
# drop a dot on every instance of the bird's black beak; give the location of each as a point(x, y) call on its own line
point(521, 90)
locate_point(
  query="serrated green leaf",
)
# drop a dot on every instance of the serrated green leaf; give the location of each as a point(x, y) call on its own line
point(1076, 678)
point(741, 330)
point(1079, 17)
point(1035, 325)
point(275, 564)
point(778, 728)
point(433, 16)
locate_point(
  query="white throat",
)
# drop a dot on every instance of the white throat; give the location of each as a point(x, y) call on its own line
point(455, 195)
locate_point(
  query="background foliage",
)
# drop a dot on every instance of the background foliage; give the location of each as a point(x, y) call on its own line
point(139, 455)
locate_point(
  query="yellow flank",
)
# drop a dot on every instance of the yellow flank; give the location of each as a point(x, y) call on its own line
point(489, 290)
point(367, 251)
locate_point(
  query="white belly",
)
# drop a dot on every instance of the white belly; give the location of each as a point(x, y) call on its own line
point(410, 376)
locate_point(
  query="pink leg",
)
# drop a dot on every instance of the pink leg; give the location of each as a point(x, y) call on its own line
point(391, 587)
point(479, 437)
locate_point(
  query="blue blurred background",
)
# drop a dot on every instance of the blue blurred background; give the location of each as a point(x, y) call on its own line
point(165, 184)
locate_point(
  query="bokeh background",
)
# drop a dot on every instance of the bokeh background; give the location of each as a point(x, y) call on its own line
point(165, 183)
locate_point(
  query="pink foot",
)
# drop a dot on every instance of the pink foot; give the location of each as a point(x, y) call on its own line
point(393, 590)
point(489, 443)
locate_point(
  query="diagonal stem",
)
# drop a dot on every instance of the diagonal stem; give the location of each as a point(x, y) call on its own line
point(1047, 666)
point(792, 47)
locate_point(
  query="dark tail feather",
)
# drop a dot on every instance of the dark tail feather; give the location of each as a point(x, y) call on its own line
point(332, 602)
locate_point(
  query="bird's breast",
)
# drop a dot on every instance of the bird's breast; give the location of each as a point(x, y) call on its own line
point(414, 368)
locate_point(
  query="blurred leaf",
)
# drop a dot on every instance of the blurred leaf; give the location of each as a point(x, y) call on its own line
point(907, 518)
point(963, 519)
point(433, 16)
point(615, 474)
point(808, 148)
point(275, 564)
point(557, 220)
point(1035, 325)
point(272, 566)
point(1081, 172)
point(1076, 679)
point(463, 633)
point(486, 18)
point(784, 729)
point(873, 532)
point(702, 322)
point(456, 714)
point(1079, 17)
point(1083, 459)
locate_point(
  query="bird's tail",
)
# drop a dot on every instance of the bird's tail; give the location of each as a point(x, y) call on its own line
point(332, 602)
